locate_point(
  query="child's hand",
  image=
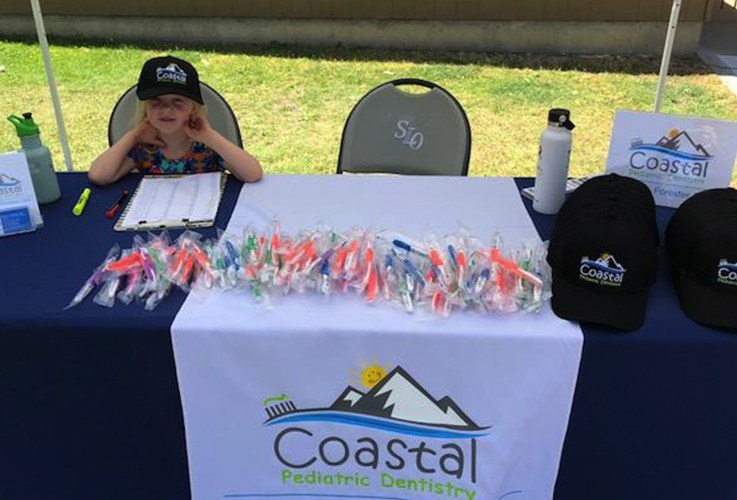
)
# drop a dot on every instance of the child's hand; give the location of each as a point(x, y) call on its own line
point(198, 129)
point(147, 134)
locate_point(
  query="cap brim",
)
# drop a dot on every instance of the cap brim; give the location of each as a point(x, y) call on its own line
point(162, 90)
point(704, 304)
point(620, 311)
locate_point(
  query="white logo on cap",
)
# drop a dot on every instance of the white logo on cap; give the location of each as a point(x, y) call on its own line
point(727, 272)
point(603, 271)
point(171, 74)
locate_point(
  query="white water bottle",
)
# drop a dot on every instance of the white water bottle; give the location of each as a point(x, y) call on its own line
point(552, 166)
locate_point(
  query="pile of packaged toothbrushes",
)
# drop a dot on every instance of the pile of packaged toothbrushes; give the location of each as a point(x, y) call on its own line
point(440, 274)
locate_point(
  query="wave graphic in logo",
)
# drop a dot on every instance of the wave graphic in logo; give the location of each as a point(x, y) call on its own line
point(606, 262)
point(603, 267)
point(676, 144)
point(397, 404)
point(376, 423)
point(724, 264)
point(670, 152)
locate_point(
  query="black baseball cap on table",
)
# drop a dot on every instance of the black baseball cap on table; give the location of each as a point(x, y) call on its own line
point(701, 239)
point(600, 188)
point(603, 253)
point(168, 75)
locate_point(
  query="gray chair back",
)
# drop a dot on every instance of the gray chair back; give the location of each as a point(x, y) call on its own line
point(219, 114)
point(393, 131)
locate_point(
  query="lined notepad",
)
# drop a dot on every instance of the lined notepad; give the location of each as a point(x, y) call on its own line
point(163, 201)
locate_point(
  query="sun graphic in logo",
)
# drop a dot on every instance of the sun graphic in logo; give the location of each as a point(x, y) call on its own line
point(673, 132)
point(371, 374)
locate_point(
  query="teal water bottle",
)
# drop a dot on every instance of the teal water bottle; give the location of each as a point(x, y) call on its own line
point(45, 183)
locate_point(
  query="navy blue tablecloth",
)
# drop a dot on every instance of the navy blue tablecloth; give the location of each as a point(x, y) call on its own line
point(652, 414)
point(89, 403)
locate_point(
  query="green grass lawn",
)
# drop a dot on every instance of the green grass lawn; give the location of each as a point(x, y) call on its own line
point(292, 102)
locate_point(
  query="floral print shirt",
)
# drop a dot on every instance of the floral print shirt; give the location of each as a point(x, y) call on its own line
point(150, 160)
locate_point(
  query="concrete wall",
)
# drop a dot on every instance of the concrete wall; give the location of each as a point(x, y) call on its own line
point(510, 36)
point(437, 10)
point(559, 26)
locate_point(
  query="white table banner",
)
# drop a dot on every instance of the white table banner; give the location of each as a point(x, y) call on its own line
point(317, 398)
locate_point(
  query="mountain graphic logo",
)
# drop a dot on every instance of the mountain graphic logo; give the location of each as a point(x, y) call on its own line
point(676, 143)
point(606, 262)
point(604, 270)
point(397, 404)
point(171, 74)
point(7, 181)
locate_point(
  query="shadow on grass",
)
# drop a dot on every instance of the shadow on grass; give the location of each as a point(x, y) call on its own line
point(628, 64)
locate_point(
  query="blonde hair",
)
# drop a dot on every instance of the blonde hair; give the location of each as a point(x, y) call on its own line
point(140, 114)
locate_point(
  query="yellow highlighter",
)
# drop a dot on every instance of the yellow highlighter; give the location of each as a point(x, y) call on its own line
point(79, 207)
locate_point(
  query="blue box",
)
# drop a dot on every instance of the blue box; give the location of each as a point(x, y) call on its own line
point(15, 220)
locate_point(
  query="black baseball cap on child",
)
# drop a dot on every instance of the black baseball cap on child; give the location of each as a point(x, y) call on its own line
point(701, 239)
point(603, 253)
point(168, 75)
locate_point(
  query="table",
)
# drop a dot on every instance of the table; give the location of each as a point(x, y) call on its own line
point(89, 403)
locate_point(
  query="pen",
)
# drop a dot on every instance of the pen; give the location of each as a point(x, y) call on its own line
point(406, 246)
point(114, 209)
point(79, 207)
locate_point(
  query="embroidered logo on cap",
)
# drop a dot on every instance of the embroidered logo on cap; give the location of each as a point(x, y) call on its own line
point(603, 271)
point(171, 74)
point(727, 272)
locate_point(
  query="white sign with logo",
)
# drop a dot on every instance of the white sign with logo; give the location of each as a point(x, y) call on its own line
point(19, 212)
point(676, 156)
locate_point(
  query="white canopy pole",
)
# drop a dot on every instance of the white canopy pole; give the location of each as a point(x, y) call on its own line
point(665, 62)
point(41, 32)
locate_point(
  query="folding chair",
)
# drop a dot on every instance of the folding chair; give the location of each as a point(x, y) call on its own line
point(393, 131)
point(219, 114)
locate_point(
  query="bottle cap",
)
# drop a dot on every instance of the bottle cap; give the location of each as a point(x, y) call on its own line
point(25, 126)
point(561, 117)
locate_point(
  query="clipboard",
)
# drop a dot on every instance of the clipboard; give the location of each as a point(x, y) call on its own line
point(173, 201)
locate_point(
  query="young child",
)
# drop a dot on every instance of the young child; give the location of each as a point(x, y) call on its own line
point(173, 136)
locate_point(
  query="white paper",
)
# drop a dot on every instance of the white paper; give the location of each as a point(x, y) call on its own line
point(167, 200)
point(411, 205)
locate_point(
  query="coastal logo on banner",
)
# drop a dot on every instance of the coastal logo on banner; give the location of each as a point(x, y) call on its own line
point(394, 437)
point(603, 271)
point(675, 155)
